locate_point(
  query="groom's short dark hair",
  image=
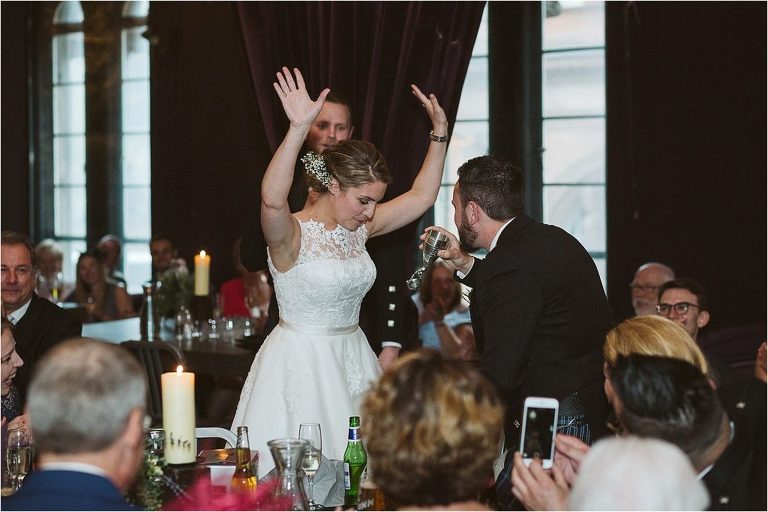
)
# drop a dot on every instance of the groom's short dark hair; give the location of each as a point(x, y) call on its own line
point(496, 186)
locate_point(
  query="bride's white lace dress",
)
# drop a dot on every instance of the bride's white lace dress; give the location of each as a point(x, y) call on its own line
point(316, 364)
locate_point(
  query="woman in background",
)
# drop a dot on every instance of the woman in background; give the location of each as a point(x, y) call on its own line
point(102, 300)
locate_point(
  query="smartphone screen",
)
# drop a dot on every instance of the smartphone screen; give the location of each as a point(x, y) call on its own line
point(539, 432)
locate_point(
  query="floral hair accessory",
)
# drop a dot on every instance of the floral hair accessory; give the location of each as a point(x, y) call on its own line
point(314, 164)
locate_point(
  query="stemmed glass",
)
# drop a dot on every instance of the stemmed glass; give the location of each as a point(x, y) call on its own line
point(19, 456)
point(313, 455)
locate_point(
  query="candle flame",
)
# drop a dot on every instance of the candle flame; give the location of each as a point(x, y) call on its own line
point(202, 254)
point(179, 370)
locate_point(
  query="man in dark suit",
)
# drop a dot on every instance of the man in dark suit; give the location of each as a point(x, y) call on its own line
point(538, 308)
point(38, 323)
point(86, 411)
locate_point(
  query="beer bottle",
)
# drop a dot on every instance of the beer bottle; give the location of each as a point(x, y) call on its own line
point(355, 460)
point(244, 479)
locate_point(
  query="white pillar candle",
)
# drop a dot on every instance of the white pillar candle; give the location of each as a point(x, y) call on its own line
point(202, 273)
point(178, 390)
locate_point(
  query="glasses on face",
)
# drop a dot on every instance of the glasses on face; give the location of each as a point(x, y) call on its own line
point(680, 308)
point(644, 287)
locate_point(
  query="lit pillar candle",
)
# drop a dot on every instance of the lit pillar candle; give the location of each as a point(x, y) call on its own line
point(202, 273)
point(178, 390)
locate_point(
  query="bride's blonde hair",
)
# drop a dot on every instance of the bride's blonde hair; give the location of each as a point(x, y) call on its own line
point(352, 163)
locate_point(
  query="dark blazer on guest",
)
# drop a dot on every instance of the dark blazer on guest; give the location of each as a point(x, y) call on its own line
point(42, 326)
point(66, 490)
point(540, 316)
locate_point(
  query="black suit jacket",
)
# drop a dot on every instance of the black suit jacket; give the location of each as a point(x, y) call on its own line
point(42, 326)
point(540, 316)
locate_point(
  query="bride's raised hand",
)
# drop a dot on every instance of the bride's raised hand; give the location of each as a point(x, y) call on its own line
point(434, 110)
point(298, 106)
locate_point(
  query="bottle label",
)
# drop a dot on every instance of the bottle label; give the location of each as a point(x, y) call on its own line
point(354, 434)
point(347, 480)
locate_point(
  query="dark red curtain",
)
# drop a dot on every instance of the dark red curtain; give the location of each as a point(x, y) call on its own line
point(370, 53)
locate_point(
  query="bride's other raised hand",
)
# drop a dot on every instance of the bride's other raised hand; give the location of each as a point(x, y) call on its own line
point(297, 104)
point(434, 110)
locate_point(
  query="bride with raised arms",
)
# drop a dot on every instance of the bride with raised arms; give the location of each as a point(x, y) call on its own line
point(316, 364)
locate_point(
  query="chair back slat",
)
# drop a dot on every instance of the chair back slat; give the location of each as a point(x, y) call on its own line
point(156, 357)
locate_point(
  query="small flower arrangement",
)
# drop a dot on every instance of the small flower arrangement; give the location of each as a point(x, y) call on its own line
point(146, 492)
point(175, 289)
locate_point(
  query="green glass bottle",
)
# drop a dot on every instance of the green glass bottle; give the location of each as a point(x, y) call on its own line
point(355, 460)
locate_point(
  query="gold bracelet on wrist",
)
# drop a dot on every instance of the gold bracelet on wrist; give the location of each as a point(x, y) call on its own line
point(437, 138)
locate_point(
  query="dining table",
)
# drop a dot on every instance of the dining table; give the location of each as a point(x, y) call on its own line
point(220, 357)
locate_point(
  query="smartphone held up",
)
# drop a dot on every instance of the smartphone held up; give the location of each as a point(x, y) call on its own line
point(537, 437)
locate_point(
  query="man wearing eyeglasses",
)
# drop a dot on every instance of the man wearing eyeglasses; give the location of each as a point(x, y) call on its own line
point(684, 301)
point(645, 286)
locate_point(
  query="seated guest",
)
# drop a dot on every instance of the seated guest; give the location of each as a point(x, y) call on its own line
point(650, 335)
point(672, 400)
point(109, 247)
point(102, 300)
point(164, 255)
point(38, 324)
point(86, 412)
point(50, 281)
point(645, 286)
point(247, 295)
point(439, 418)
point(684, 301)
point(438, 296)
point(10, 363)
point(637, 474)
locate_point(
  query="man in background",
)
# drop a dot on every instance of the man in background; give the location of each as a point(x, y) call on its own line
point(645, 286)
point(38, 323)
point(684, 301)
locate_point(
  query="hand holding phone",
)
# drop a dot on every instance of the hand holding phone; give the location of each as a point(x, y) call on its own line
point(537, 437)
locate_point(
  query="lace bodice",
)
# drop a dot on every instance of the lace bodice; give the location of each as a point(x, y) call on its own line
point(331, 276)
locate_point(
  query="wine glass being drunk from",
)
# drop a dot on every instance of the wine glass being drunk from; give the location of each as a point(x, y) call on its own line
point(313, 455)
point(19, 456)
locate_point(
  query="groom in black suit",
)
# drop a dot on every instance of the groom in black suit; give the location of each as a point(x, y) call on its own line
point(538, 308)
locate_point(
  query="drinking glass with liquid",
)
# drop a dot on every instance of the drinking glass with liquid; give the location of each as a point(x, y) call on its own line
point(19, 457)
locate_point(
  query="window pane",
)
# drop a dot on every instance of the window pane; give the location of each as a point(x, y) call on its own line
point(135, 53)
point(470, 139)
point(136, 212)
point(573, 24)
point(136, 9)
point(136, 159)
point(602, 269)
point(574, 151)
point(137, 265)
point(574, 83)
point(72, 250)
point(68, 12)
point(136, 106)
point(579, 210)
point(481, 42)
point(69, 160)
point(68, 58)
point(69, 205)
point(69, 109)
point(474, 96)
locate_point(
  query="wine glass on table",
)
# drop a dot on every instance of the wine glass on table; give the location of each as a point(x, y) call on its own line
point(313, 455)
point(19, 456)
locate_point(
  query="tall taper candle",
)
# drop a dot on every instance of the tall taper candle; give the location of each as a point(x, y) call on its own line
point(202, 273)
point(179, 416)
